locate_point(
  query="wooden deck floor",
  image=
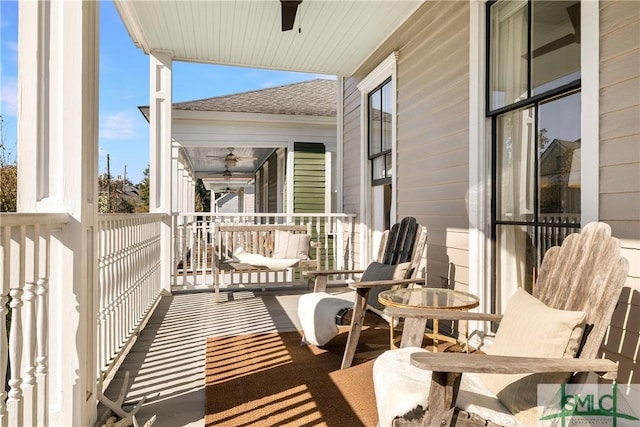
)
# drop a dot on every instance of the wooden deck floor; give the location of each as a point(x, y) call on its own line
point(166, 364)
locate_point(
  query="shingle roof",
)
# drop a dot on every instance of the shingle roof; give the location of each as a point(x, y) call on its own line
point(310, 98)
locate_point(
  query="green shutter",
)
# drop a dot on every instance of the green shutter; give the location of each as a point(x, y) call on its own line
point(308, 178)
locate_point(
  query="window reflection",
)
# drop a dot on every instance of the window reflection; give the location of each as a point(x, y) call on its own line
point(555, 39)
point(559, 156)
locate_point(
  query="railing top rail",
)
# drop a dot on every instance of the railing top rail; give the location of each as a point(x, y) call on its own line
point(125, 216)
point(14, 219)
point(269, 215)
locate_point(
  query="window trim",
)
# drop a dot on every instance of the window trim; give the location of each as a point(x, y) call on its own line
point(589, 85)
point(387, 68)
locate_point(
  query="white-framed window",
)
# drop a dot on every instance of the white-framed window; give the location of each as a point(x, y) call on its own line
point(378, 152)
point(534, 103)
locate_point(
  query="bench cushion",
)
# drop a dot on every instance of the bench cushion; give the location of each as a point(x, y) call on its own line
point(289, 245)
point(242, 257)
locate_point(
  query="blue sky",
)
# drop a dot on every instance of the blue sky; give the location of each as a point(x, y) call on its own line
point(124, 85)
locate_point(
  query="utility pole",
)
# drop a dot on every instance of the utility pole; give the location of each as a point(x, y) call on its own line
point(125, 178)
point(108, 184)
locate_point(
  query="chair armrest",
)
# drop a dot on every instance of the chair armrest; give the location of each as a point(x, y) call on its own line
point(376, 283)
point(315, 245)
point(314, 273)
point(462, 362)
point(441, 314)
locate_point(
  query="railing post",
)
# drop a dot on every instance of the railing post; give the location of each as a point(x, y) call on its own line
point(58, 80)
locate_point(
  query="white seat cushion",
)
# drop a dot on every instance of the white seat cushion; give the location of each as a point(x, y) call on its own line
point(257, 260)
point(401, 387)
point(317, 313)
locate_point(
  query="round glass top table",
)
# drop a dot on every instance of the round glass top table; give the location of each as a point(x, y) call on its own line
point(430, 298)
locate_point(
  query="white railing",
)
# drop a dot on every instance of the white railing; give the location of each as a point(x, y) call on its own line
point(192, 234)
point(129, 286)
point(129, 281)
point(25, 249)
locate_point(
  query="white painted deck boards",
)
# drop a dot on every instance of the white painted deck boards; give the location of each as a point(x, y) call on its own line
point(167, 362)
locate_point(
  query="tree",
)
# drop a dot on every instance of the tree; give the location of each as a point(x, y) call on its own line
point(203, 197)
point(143, 187)
point(8, 176)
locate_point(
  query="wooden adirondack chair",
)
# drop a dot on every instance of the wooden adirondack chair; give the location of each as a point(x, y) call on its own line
point(585, 274)
point(403, 243)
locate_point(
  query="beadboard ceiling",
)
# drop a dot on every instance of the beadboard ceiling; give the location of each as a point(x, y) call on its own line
point(335, 36)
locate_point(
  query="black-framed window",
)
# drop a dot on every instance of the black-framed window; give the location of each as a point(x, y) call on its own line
point(534, 103)
point(380, 122)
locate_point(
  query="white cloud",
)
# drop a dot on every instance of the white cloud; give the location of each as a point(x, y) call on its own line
point(117, 126)
point(9, 96)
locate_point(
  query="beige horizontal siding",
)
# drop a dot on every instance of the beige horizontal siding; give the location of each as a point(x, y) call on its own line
point(620, 168)
point(619, 113)
point(432, 133)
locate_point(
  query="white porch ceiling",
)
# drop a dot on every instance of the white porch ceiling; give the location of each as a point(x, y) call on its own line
point(335, 38)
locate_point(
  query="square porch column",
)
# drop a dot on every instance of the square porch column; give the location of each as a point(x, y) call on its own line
point(160, 153)
point(58, 54)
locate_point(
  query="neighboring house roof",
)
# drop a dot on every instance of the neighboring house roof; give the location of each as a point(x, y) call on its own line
point(310, 98)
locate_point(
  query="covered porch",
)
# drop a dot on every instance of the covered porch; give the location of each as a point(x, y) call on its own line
point(91, 296)
point(83, 286)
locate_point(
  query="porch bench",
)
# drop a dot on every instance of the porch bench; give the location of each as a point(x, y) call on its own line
point(266, 240)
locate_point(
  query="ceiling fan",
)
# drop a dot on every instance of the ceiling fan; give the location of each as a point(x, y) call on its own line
point(227, 190)
point(289, 10)
point(230, 160)
point(574, 16)
point(225, 174)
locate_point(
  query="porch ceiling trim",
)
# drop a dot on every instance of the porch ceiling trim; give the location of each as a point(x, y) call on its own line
point(335, 37)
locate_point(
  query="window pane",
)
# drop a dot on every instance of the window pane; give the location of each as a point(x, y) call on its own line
point(559, 159)
point(508, 54)
point(555, 43)
point(386, 116)
point(515, 261)
point(515, 148)
point(378, 168)
point(389, 165)
point(375, 122)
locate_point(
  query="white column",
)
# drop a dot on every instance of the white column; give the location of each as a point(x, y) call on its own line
point(192, 193)
point(176, 177)
point(186, 187)
point(160, 151)
point(57, 166)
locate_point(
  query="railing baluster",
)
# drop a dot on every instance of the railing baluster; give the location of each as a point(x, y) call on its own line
point(5, 254)
point(32, 248)
point(25, 258)
point(128, 279)
point(42, 325)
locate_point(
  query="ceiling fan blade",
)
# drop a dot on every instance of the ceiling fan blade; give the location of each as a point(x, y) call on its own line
point(574, 15)
point(554, 45)
point(289, 9)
